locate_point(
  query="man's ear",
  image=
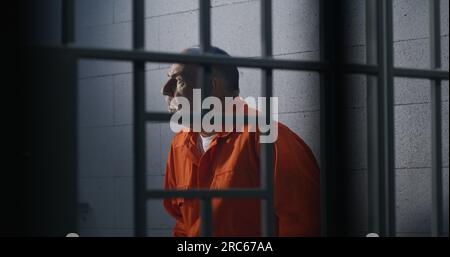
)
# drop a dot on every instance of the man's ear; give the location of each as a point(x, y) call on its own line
point(169, 88)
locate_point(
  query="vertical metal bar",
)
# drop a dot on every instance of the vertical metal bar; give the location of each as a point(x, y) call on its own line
point(327, 119)
point(205, 46)
point(436, 137)
point(138, 24)
point(266, 28)
point(68, 22)
point(323, 167)
point(206, 214)
point(373, 134)
point(139, 136)
point(205, 25)
point(266, 157)
point(386, 111)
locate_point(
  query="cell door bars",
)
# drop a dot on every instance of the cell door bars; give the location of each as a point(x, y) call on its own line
point(380, 108)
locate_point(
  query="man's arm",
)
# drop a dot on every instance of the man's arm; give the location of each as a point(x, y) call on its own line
point(172, 205)
point(296, 187)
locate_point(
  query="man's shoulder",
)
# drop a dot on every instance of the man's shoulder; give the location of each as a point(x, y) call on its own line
point(284, 130)
point(180, 138)
point(285, 134)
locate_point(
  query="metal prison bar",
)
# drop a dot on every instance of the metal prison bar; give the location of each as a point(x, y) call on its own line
point(379, 35)
point(437, 224)
point(380, 108)
point(205, 47)
point(327, 87)
point(380, 119)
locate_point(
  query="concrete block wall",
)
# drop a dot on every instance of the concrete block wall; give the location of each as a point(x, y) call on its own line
point(105, 89)
point(412, 113)
point(412, 118)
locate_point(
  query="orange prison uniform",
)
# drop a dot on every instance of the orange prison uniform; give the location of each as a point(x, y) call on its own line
point(232, 161)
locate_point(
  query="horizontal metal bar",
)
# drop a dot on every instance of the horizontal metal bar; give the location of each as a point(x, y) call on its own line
point(148, 56)
point(318, 66)
point(398, 72)
point(421, 73)
point(158, 116)
point(139, 135)
point(236, 118)
point(361, 69)
point(201, 193)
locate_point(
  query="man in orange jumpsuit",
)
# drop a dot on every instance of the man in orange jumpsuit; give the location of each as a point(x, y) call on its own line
point(224, 160)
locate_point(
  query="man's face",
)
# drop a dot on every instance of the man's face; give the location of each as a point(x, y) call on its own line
point(182, 81)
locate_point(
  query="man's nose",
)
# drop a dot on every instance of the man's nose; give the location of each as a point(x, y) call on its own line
point(169, 88)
